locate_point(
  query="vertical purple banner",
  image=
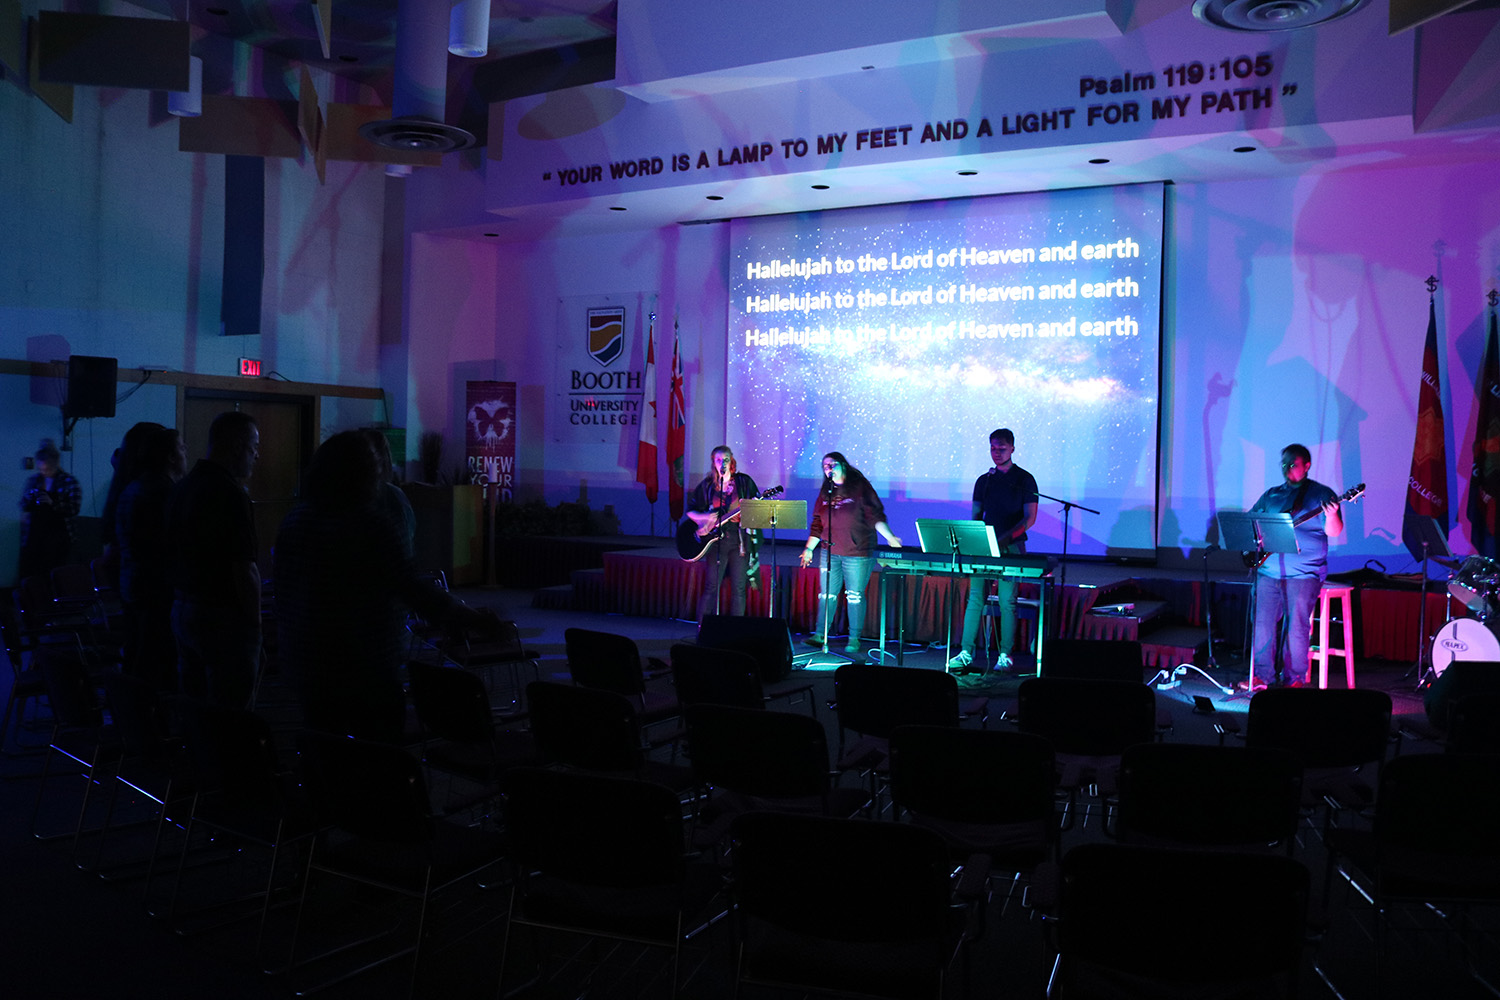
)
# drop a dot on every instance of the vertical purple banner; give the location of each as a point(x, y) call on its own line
point(490, 434)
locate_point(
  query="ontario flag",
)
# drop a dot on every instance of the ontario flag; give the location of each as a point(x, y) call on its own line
point(1426, 515)
point(1484, 477)
point(676, 430)
point(645, 455)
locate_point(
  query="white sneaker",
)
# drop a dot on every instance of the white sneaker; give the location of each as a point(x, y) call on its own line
point(961, 661)
point(1004, 662)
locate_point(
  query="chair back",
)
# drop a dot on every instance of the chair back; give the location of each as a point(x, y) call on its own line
point(74, 582)
point(582, 727)
point(1094, 659)
point(1116, 900)
point(768, 755)
point(1187, 795)
point(1094, 718)
point(450, 703)
point(604, 660)
point(140, 718)
point(704, 675)
point(841, 879)
point(972, 775)
point(1436, 815)
point(873, 700)
point(1326, 728)
point(234, 754)
point(74, 700)
point(593, 830)
point(1474, 724)
point(372, 790)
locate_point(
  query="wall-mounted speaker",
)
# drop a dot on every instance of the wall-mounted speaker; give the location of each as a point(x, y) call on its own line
point(91, 387)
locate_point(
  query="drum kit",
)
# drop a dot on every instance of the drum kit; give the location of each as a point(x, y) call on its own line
point(1475, 584)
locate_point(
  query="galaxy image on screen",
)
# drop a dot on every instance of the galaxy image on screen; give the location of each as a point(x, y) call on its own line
point(901, 335)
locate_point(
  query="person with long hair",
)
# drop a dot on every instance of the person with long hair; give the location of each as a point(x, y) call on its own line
point(713, 501)
point(848, 516)
point(159, 460)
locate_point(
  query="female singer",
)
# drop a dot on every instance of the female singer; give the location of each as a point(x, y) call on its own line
point(847, 516)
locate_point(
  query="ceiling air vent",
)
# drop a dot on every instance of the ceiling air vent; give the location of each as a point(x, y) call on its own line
point(1272, 15)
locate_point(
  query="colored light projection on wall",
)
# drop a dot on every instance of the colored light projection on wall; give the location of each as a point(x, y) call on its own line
point(902, 335)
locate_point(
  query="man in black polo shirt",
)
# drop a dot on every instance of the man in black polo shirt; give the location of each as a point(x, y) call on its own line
point(1005, 498)
point(216, 601)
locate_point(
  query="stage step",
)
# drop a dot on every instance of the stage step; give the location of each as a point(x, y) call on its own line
point(559, 598)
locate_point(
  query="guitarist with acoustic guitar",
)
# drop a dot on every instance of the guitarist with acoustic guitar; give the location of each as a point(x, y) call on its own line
point(1287, 583)
point(713, 507)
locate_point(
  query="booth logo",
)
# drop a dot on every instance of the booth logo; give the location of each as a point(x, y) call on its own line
point(606, 334)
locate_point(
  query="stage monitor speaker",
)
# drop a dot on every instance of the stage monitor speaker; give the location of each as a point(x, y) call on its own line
point(1094, 659)
point(91, 387)
point(767, 640)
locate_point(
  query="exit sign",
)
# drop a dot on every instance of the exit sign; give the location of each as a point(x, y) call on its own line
point(250, 367)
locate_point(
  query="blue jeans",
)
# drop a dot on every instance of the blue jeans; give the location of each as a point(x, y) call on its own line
point(849, 574)
point(1005, 589)
point(1293, 600)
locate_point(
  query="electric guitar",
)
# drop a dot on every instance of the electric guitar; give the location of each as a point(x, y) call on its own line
point(693, 542)
point(1253, 560)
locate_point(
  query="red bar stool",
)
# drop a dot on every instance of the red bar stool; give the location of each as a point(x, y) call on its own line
point(1323, 616)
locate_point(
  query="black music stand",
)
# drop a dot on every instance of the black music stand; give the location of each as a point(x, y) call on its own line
point(956, 538)
point(768, 515)
point(1257, 532)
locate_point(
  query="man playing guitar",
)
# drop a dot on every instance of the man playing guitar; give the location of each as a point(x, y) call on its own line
point(711, 505)
point(1287, 583)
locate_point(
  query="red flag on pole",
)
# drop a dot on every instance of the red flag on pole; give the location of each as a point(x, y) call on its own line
point(645, 456)
point(1484, 476)
point(1426, 515)
point(676, 430)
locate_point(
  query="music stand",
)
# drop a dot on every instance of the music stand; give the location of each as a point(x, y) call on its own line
point(957, 538)
point(1257, 532)
point(768, 515)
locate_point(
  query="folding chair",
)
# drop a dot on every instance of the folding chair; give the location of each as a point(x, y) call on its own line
point(1095, 659)
point(1137, 922)
point(595, 730)
point(1340, 735)
point(1432, 850)
point(610, 662)
point(373, 802)
point(79, 735)
point(602, 857)
point(871, 701)
point(703, 675)
point(453, 709)
point(1188, 795)
point(1089, 724)
point(844, 906)
point(241, 789)
point(753, 759)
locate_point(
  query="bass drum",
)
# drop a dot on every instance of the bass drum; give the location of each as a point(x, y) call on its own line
point(1463, 639)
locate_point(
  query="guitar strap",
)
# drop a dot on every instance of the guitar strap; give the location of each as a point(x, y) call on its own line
point(1297, 500)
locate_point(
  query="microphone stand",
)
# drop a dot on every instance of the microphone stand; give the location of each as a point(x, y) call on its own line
point(1062, 583)
point(1208, 609)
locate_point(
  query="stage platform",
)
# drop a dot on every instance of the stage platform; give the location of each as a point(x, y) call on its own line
point(1164, 609)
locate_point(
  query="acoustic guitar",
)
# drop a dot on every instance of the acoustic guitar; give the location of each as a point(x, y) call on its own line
point(693, 543)
point(1253, 560)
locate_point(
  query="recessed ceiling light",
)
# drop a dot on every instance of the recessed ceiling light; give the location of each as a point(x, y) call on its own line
point(217, 11)
point(867, 67)
point(714, 197)
point(349, 59)
point(967, 173)
point(617, 208)
point(1099, 159)
point(492, 235)
point(1244, 149)
point(820, 187)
